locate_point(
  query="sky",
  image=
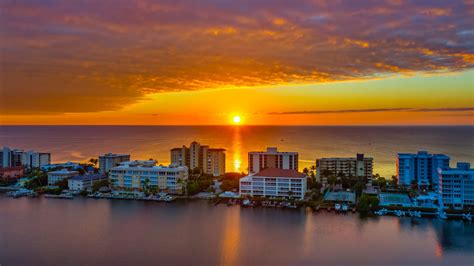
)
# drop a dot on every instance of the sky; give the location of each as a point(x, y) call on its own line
point(301, 62)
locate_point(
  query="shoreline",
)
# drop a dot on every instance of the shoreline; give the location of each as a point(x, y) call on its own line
point(407, 212)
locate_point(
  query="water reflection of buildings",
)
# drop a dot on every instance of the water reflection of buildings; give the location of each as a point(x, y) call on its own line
point(452, 235)
point(455, 236)
point(237, 149)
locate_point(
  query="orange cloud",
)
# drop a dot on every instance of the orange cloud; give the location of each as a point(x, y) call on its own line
point(60, 57)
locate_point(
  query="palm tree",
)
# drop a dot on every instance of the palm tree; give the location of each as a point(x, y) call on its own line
point(306, 171)
point(146, 186)
point(94, 161)
point(184, 184)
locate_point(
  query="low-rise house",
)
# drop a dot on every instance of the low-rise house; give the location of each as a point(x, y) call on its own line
point(84, 182)
point(56, 176)
point(274, 182)
point(143, 175)
point(429, 200)
point(340, 197)
point(8, 174)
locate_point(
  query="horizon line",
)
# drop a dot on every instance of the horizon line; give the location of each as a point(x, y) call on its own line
point(246, 125)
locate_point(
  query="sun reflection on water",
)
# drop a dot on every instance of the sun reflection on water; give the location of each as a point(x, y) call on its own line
point(237, 149)
point(231, 237)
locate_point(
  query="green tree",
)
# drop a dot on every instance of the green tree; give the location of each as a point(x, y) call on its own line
point(367, 203)
point(62, 184)
point(98, 184)
point(184, 185)
point(230, 184)
point(146, 186)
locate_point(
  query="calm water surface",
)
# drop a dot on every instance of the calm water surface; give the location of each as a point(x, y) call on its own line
point(103, 232)
point(79, 143)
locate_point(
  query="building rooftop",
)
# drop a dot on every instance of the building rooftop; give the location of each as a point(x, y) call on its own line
point(423, 154)
point(63, 171)
point(274, 150)
point(172, 167)
point(461, 168)
point(394, 199)
point(135, 163)
point(341, 196)
point(343, 158)
point(276, 172)
point(88, 177)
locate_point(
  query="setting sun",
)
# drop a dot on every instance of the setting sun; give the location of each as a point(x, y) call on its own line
point(236, 119)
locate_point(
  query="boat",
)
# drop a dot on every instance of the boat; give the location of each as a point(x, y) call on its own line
point(345, 207)
point(23, 192)
point(399, 213)
point(247, 203)
point(168, 198)
point(467, 216)
point(61, 196)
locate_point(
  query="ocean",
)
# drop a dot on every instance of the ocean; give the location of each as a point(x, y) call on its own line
point(80, 143)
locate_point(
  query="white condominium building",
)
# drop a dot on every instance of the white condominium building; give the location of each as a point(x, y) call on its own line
point(456, 186)
point(135, 175)
point(272, 158)
point(28, 159)
point(197, 156)
point(9, 157)
point(274, 182)
point(421, 167)
point(32, 159)
point(215, 162)
point(56, 176)
point(84, 182)
point(358, 166)
point(110, 160)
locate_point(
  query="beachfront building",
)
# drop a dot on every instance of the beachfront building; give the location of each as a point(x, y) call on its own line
point(110, 160)
point(340, 197)
point(56, 176)
point(84, 182)
point(272, 158)
point(456, 186)
point(29, 159)
point(33, 159)
point(207, 160)
point(140, 175)
point(421, 168)
point(359, 166)
point(10, 157)
point(274, 182)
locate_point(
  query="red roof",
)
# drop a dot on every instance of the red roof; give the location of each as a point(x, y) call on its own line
point(277, 172)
